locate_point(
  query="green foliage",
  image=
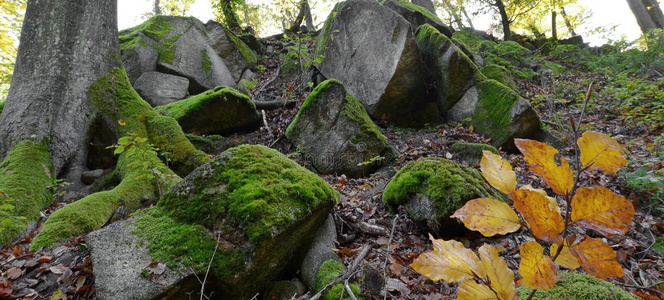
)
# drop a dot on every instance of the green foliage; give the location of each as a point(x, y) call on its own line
point(637, 99)
point(12, 12)
point(578, 286)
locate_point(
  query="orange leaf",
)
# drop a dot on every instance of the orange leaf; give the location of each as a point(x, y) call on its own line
point(545, 223)
point(500, 276)
point(602, 152)
point(536, 269)
point(471, 290)
point(488, 216)
point(602, 210)
point(498, 172)
point(597, 258)
point(449, 261)
point(565, 259)
point(541, 160)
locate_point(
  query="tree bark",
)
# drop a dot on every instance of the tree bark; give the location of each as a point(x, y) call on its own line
point(504, 20)
point(568, 23)
point(554, 30)
point(157, 10)
point(643, 16)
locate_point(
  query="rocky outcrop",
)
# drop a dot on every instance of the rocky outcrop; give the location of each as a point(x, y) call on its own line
point(373, 51)
point(251, 208)
point(161, 89)
point(217, 111)
point(432, 189)
point(335, 132)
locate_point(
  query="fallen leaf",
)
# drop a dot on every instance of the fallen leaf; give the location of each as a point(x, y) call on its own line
point(13, 273)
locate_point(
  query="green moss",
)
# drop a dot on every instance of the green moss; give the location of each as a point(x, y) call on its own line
point(113, 97)
point(165, 133)
point(192, 105)
point(207, 64)
point(425, 12)
point(246, 52)
point(469, 38)
point(327, 273)
point(214, 144)
point(510, 49)
point(493, 113)
point(157, 28)
point(579, 286)
point(189, 244)
point(447, 184)
point(327, 33)
point(256, 187)
point(500, 74)
point(2, 107)
point(26, 178)
point(291, 63)
point(659, 245)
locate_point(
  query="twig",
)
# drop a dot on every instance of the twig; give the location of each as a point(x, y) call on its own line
point(267, 127)
point(350, 292)
point(387, 252)
point(207, 271)
point(267, 83)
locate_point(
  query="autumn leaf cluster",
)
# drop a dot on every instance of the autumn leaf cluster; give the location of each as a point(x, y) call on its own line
point(595, 208)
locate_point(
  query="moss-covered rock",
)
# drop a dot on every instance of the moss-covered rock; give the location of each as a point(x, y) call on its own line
point(471, 152)
point(212, 144)
point(432, 188)
point(221, 110)
point(327, 273)
point(264, 207)
point(335, 132)
point(579, 286)
point(500, 74)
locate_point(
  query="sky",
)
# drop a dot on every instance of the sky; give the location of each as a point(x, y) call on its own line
point(606, 13)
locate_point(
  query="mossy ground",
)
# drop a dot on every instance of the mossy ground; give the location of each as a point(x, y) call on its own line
point(579, 286)
point(26, 187)
point(113, 97)
point(447, 184)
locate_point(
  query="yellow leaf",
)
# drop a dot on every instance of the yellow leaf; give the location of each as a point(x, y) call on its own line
point(450, 261)
point(58, 294)
point(602, 210)
point(545, 223)
point(488, 216)
point(565, 259)
point(597, 258)
point(536, 269)
point(553, 204)
point(602, 152)
point(497, 172)
point(541, 161)
point(471, 290)
point(500, 276)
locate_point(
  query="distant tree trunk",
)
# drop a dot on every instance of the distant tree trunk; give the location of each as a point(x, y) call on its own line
point(305, 13)
point(454, 12)
point(230, 18)
point(647, 13)
point(504, 20)
point(568, 23)
point(554, 30)
point(465, 14)
point(157, 10)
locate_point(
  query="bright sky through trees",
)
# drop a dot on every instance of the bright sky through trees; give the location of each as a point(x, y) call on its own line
point(606, 13)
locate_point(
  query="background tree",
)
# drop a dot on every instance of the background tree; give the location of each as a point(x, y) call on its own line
point(11, 18)
point(648, 14)
point(170, 8)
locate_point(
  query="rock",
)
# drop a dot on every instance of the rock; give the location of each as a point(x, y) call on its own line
point(89, 177)
point(236, 54)
point(161, 89)
point(418, 15)
point(253, 43)
point(264, 207)
point(221, 110)
point(321, 250)
point(285, 289)
point(471, 153)
point(139, 58)
point(336, 134)
point(449, 67)
point(500, 74)
point(247, 82)
point(212, 144)
point(372, 50)
point(432, 189)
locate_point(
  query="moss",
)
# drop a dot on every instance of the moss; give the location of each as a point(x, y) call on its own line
point(425, 12)
point(246, 52)
point(493, 113)
point(326, 33)
point(500, 74)
point(579, 286)
point(165, 133)
point(157, 28)
point(113, 97)
point(207, 64)
point(469, 38)
point(211, 144)
point(191, 106)
point(659, 245)
point(25, 187)
point(254, 186)
point(2, 107)
point(189, 244)
point(446, 183)
point(291, 63)
point(327, 273)
point(511, 49)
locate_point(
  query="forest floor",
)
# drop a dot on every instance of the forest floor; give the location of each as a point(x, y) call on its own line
point(362, 220)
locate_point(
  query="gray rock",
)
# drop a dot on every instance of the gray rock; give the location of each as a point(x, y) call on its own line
point(237, 56)
point(285, 289)
point(89, 177)
point(471, 153)
point(417, 14)
point(139, 59)
point(161, 89)
point(372, 50)
point(464, 108)
point(336, 134)
point(119, 259)
point(321, 250)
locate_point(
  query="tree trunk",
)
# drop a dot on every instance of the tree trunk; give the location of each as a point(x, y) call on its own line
point(157, 10)
point(554, 31)
point(304, 11)
point(655, 12)
point(68, 83)
point(465, 14)
point(568, 23)
point(454, 12)
point(504, 20)
point(642, 15)
point(230, 18)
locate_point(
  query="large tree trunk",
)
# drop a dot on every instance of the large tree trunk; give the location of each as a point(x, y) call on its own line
point(504, 20)
point(647, 13)
point(68, 83)
point(568, 23)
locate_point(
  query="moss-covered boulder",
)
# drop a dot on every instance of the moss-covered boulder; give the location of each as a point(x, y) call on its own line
point(579, 286)
point(431, 189)
point(208, 55)
point(221, 110)
point(418, 15)
point(327, 273)
point(335, 132)
point(213, 144)
point(500, 74)
point(258, 207)
point(372, 50)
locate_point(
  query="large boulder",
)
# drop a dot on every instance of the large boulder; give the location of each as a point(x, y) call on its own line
point(221, 110)
point(417, 14)
point(335, 132)
point(161, 89)
point(251, 209)
point(185, 48)
point(432, 189)
point(372, 50)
